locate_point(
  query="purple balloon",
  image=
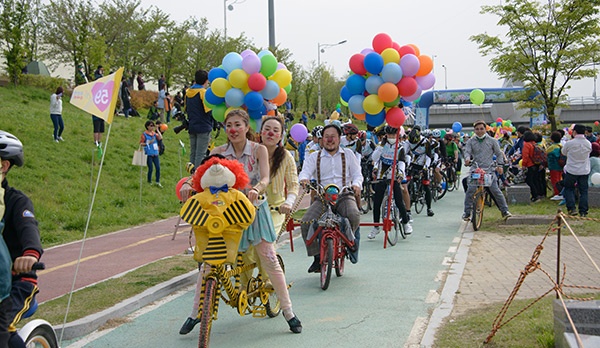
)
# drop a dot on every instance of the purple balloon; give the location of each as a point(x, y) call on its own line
point(246, 52)
point(410, 64)
point(415, 96)
point(251, 63)
point(366, 51)
point(281, 66)
point(426, 82)
point(299, 132)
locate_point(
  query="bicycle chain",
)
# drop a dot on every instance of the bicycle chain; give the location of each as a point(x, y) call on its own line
point(295, 209)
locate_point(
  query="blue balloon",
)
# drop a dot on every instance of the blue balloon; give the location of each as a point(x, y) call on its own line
point(234, 97)
point(373, 63)
point(391, 72)
point(271, 90)
point(255, 114)
point(253, 100)
point(456, 126)
point(232, 61)
point(212, 98)
point(263, 52)
point(345, 94)
point(215, 73)
point(356, 84)
point(375, 120)
point(373, 83)
point(355, 104)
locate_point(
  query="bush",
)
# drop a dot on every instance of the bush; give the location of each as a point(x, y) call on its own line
point(47, 83)
point(143, 99)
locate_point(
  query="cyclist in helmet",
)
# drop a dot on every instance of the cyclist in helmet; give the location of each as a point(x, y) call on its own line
point(383, 159)
point(21, 236)
point(350, 140)
point(317, 141)
point(419, 148)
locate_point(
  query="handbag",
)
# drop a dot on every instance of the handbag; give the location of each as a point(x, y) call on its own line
point(139, 158)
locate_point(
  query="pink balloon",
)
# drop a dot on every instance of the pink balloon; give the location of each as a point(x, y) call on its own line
point(426, 82)
point(381, 41)
point(407, 86)
point(410, 64)
point(356, 64)
point(395, 117)
point(257, 81)
point(396, 46)
point(299, 132)
point(251, 63)
point(406, 49)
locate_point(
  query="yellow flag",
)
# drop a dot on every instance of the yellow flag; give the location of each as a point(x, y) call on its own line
point(99, 97)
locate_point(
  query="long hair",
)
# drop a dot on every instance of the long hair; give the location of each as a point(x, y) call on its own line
point(279, 154)
point(244, 115)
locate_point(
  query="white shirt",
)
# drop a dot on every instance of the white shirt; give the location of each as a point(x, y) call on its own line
point(577, 151)
point(331, 168)
point(55, 105)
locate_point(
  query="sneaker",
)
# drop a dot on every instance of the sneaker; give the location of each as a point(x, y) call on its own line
point(374, 232)
point(295, 325)
point(56, 140)
point(430, 212)
point(563, 202)
point(159, 185)
point(572, 212)
point(583, 214)
point(506, 214)
point(61, 139)
point(410, 218)
point(557, 198)
point(96, 143)
point(188, 325)
point(407, 228)
point(466, 216)
point(535, 200)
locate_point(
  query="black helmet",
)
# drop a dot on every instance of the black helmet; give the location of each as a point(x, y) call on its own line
point(390, 130)
point(11, 148)
point(350, 128)
point(415, 135)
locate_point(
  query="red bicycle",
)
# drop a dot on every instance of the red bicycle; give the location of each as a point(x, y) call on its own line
point(334, 244)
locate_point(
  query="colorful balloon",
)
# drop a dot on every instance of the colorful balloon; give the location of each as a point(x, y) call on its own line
point(268, 64)
point(356, 84)
point(251, 63)
point(355, 104)
point(426, 82)
point(257, 81)
point(360, 116)
point(282, 77)
point(372, 83)
point(387, 92)
point(218, 112)
point(179, 186)
point(253, 100)
point(391, 72)
point(395, 117)
point(271, 90)
point(215, 73)
point(390, 55)
point(372, 104)
point(281, 98)
point(409, 64)
point(406, 49)
point(234, 97)
point(425, 65)
point(381, 41)
point(407, 86)
point(232, 61)
point(211, 98)
point(299, 132)
point(357, 64)
point(220, 86)
point(375, 120)
point(373, 63)
point(456, 126)
point(477, 96)
point(238, 78)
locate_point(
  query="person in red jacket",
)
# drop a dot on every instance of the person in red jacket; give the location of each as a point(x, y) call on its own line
point(532, 177)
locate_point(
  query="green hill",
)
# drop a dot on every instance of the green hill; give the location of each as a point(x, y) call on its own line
point(59, 177)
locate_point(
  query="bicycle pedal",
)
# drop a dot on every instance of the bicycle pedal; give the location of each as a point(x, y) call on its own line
point(259, 312)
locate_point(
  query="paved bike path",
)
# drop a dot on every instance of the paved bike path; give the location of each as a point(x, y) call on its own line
point(378, 302)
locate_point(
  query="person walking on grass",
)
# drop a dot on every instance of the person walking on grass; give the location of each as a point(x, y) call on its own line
point(149, 140)
point(56, 114)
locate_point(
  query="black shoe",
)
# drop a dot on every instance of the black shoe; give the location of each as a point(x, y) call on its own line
point(430, 212)
point(188, 325)
point(315, 267)
point(295, 325)
point(583, 214)
point(573, 212)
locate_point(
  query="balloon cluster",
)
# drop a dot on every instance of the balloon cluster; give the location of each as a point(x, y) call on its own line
point(501, 127)
point(382, 75)
point(246, 81)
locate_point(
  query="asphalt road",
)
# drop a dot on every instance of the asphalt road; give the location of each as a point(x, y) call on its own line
point(376, 303)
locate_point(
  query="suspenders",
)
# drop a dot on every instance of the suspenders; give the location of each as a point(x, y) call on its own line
point(343, 168)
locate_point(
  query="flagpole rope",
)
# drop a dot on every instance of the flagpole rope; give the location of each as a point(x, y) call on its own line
point(87, 224)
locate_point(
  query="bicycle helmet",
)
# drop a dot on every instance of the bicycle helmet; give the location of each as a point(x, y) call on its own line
point(362, 135)
point(415, 135)
point(390, 130)
point(11, 148)
point(437, 133)
point(317, 132)
point(350, 128)
point(427, 133)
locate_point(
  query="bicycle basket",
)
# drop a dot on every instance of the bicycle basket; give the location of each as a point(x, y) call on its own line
point(331, 193)
point(480, 179)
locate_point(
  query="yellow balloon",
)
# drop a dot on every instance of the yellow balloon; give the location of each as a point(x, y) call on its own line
point(238, 78)
point(230, 109)
point(390, 55)
point(282, 77)
point(520, 163)
point(220, 86)
point(372, 104)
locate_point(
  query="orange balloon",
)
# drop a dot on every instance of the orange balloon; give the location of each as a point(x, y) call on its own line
point(426, 65)
point(271, 112)
point(360, 116)
point(280, 98)
point(387, 92)
point(417, 50)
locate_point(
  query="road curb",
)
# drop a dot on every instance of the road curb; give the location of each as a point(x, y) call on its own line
point(451, 285)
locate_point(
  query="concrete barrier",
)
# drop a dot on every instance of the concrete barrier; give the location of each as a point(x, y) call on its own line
point(586, 317)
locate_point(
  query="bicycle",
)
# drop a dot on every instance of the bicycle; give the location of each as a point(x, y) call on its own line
point(438, 189)
point(396, 227)
point(449, 168)
point(334, 244)
point(366, 195)
point(416, 189)
point(482, 180)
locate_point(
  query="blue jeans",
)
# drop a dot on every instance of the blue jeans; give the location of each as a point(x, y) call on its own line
point(569, 191)
point(156, 161)
point(59, 125)
point(198, 146)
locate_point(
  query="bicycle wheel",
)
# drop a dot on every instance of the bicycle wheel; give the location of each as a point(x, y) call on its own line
point(420, 201)
point(273, 305)
point(210, 294)
point(326, 264)
point(442, 186)
point(392, 236)
point(451, 178)
point(366, 204)
point(42, 336)
point(340, 261)
point(479, 205)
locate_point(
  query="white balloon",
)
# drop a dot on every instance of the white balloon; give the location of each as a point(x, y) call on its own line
point(596, 178)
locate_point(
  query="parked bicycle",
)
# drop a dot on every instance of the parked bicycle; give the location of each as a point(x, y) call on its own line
point(335, 245)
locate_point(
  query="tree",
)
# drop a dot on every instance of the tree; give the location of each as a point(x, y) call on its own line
point(546, 46)
point(14, 21)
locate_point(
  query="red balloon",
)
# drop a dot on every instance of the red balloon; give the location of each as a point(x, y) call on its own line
point(381, 41)
point(396, 46)
point(257, 81)
point(395, 117)
point(499, 119)
point(178, 187)
point(406, 49)
point(356, 64)
point(407, 86)
point(596, 123)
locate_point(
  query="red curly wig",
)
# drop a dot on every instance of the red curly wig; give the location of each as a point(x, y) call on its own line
point(241, 178)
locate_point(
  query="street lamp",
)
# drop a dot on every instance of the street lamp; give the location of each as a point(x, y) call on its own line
point(445, 77)
point(230, 8)
point(321, 49)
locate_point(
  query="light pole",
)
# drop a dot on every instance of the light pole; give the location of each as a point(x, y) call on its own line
point(321, 49)
point(230, 8)
point(445, 77)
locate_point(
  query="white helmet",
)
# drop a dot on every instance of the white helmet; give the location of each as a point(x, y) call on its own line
point(11, 148)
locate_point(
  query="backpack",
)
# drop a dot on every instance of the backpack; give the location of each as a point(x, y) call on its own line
point(539, 156)
point(562, 160)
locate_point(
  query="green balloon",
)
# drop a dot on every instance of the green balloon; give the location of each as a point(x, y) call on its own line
point(477, 96)
point(288, 88)
point(392, 103)
point(337, 106)
point(268, 65)
point(218, 112)
point(343, 102)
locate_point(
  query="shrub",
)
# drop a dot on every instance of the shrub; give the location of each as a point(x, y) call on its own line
point(143, 99)
point(47, 83)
